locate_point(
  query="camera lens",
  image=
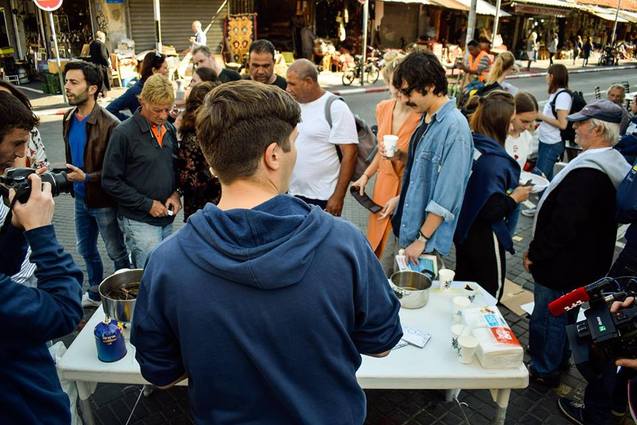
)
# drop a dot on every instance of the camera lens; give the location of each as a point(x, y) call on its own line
point(59, 182)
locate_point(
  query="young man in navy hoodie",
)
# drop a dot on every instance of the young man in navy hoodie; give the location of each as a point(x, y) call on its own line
point(264, 303)
point(31, 391)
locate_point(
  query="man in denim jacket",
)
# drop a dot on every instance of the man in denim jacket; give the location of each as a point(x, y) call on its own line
point(438, 164)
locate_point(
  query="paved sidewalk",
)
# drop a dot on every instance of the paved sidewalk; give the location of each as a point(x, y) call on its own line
point(535, 405)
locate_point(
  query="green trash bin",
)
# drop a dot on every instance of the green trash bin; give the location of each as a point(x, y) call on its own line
point(51, 83)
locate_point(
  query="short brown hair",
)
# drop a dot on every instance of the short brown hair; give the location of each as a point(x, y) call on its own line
point(238, 121)
point(158, 90)
point(560, 77)
point(493, 116)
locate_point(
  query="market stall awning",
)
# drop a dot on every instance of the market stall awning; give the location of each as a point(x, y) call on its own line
point(408, 1)
point(604, 13)
point(549, 3)
point(484, 8)
point(629, 16)
point(450, 4)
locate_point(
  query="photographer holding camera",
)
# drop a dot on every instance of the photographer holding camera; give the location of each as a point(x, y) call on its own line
point(32, 316)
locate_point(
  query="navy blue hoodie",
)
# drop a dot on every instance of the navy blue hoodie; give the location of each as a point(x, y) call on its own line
point(267, 311)
point(494, 171)
point(30, 391)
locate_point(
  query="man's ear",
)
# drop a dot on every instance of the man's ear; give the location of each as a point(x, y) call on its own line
point(92, 89)
point(272, 156)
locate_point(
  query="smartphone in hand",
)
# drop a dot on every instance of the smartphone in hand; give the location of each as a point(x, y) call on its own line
point(365, 200)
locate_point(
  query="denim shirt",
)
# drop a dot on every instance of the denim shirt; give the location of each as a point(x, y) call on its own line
point(437, 180)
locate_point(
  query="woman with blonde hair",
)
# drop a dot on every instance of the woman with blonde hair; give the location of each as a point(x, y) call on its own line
point(502, 67)
point(393, 118)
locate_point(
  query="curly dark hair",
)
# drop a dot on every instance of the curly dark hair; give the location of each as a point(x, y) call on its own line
point(420, 70)
point(15, 115)
point(195, 100)
point(92, 74)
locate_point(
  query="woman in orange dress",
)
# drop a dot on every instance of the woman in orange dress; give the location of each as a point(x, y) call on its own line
point(392, 117)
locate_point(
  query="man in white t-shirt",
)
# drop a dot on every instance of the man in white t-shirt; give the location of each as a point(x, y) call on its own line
point(320, 177)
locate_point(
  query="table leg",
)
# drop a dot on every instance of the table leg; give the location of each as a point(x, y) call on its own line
point(501, 397)
point(451, 395)
point(87, 412)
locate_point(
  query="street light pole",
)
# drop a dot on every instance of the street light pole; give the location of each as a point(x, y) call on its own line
point(471, 26)
point(57, 56)
point(157, 14)
point(364, 55)
point(496, 21)
point(612, 43)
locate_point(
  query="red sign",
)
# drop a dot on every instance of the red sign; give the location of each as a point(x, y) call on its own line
point(48, 5)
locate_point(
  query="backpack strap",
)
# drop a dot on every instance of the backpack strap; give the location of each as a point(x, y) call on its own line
point(555, 100)
point(328, 107)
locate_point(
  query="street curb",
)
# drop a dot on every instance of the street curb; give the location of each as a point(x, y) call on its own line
point(361, 90)
point(348, 92)
point(574, 71)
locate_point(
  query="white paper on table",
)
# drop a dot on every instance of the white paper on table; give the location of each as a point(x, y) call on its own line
point(416, 337)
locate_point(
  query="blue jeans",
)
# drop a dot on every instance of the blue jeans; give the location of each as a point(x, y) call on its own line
point(142, 238)
point(547, 155)
point(88, 223)
point(548, 343)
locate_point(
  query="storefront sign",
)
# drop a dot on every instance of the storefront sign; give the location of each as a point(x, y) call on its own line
point(115, 1)
point(541, 10)
point(48, 5)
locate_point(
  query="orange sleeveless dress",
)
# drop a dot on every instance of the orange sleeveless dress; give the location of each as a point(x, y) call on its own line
point(389, 174)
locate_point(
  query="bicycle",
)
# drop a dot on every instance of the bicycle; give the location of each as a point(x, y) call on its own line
point(371, 72)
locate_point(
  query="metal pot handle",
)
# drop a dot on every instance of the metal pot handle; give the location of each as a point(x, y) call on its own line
point(399, 293)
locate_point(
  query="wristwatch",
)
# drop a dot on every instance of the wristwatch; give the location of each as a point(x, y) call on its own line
point(422, 237)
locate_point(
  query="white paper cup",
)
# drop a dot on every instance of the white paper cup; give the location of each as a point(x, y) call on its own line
point(389, 142)
point(468, 345)
point(459, 304)
point(445, 277)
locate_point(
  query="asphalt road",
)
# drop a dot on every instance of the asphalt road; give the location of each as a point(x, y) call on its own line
point(363, 104)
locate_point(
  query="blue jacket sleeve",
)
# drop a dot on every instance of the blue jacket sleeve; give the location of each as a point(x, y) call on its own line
point(377, 324)
point(157, 349)
point(128, 100)
point(51, 310)
point(13, 248)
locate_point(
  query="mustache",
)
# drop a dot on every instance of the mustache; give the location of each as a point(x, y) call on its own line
point(410, 104)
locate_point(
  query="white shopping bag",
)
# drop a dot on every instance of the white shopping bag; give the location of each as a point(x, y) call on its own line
point(57, 350)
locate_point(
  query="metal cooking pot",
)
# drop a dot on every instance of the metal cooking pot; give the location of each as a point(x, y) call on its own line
point(120, 310)
point(412, 288)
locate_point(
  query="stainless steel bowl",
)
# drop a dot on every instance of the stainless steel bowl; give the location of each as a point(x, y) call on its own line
point(411, 288)
point(121, 310)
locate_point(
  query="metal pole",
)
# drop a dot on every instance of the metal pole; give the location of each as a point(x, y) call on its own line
point(16, 32)
point(612, 43)
point(157, 15)
point(57, 55)
point(495, 21)
point(471, 26)
point(364, 55)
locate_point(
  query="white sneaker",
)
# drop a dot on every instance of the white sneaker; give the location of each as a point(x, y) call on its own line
point(88, 302)
point(529, 213)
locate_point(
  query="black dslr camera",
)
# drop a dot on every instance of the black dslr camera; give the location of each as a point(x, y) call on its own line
point(604, 335)
point(18, 179)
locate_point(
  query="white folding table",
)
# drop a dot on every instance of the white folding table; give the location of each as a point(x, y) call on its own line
point(433, 367)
